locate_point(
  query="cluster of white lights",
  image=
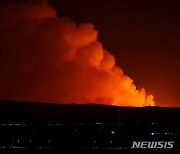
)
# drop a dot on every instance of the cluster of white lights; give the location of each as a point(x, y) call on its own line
point(13, 124)
point(165, 133)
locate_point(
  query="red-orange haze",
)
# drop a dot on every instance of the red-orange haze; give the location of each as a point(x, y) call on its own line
point(47, 59)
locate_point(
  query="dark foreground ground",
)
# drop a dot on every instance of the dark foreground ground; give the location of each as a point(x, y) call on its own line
point(42, 126)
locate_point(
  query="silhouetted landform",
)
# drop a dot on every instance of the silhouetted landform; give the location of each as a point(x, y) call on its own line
point(94, 112)
point(33, 125)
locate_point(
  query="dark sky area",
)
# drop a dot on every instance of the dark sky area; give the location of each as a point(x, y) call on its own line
point(143, 35)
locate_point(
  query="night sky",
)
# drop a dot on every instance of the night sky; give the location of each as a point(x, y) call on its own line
point(142, 35)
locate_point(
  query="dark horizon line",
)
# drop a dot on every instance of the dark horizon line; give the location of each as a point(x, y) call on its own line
point(97, 104)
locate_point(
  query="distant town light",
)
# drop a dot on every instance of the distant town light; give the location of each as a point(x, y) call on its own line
point(152, 133)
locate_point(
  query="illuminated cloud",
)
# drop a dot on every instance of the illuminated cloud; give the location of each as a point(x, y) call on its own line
point(49, 59)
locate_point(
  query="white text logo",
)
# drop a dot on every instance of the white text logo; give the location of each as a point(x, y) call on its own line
point(153, 144)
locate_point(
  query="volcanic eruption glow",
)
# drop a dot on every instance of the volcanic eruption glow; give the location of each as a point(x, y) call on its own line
point(48, 59)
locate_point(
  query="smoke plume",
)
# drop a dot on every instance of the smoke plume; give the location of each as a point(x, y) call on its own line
point(48, 59)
